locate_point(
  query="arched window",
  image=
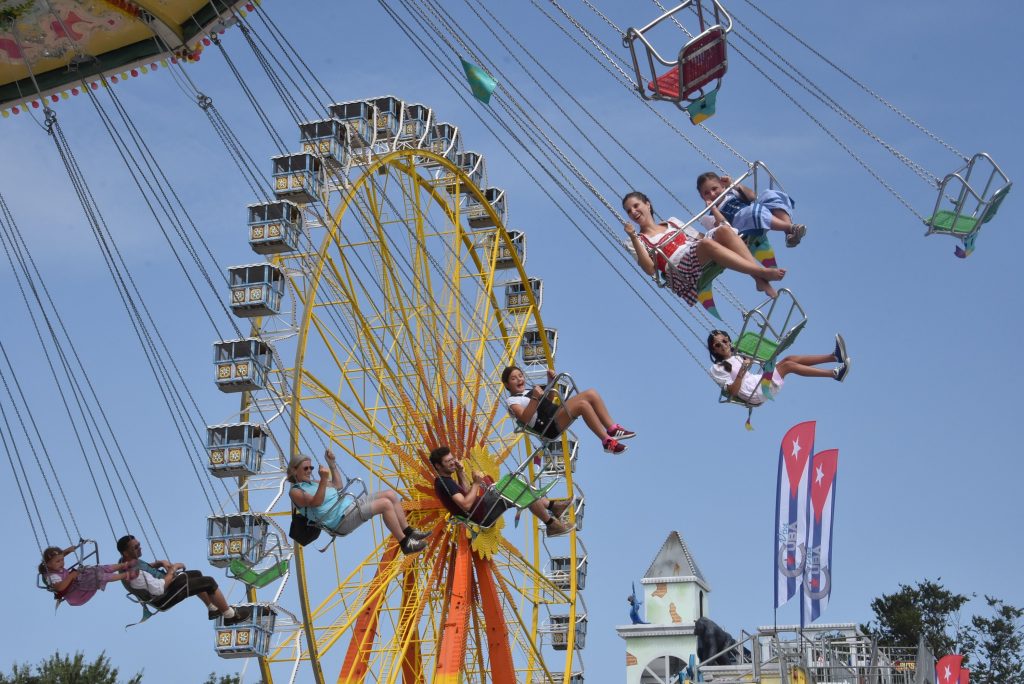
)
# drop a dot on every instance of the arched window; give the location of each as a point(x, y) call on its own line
point(663, 670)
point(700, 608)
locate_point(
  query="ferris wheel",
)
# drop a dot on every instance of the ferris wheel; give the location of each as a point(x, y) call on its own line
point(392, 298)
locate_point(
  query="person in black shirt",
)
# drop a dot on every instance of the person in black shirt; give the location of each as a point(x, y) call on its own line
point(480, 503)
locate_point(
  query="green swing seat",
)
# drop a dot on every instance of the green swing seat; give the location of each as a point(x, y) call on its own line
point(256, 578)
point(516, 491)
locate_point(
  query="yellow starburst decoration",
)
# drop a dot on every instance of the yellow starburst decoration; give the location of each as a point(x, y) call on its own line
point(485, 542)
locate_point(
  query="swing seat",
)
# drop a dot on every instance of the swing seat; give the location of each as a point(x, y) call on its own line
point(255, 578)
point(701, 61)
point(518, 492)
point(712, 270)
point(976, 191)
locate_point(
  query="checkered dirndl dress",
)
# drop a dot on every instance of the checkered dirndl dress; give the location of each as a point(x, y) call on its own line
point(682, 269)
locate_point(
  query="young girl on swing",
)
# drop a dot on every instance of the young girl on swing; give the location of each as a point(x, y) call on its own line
point(681, 257)
point(730, 370)
point(78, 585)
point(748, 212)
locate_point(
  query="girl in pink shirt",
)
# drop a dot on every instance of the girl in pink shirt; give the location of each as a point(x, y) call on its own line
point(78, 585)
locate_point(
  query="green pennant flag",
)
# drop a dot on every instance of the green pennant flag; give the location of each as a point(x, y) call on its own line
point(480, 82)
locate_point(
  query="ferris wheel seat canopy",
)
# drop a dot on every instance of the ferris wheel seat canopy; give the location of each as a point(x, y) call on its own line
point(238, 536)
point(274, 227)
point(298, 177)
point(256, 290)
point(560, 567)
point(242, 365)
point(235, 450)
point(72, 41)
point(249, 638)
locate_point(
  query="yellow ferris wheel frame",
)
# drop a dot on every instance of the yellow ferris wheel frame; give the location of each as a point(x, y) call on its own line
point(466, 562)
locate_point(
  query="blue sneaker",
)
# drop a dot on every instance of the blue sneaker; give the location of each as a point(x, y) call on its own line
point(840, 352)
point(841, 371)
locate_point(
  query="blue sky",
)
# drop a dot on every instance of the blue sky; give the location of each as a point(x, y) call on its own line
point(927, 423)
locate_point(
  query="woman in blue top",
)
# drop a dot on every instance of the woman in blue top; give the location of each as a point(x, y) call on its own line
point(326, 506)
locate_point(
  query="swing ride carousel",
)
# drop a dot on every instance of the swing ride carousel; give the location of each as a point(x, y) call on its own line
point(385, 299)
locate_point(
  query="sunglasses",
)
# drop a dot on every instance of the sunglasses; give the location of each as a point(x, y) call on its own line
point(307, 468)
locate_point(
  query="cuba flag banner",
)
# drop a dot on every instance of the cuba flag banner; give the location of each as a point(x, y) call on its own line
point(791, 510)
point(948, 670)
point(818, 563)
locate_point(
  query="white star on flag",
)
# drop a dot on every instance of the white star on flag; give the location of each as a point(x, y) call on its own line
point(949, 673)
point(796, 448)
point(819, 474)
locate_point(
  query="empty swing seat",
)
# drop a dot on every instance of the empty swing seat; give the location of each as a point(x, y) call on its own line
point(701, 61)
point(238, 570)
point(249, 638)
point(235, 450)
point(980, 187)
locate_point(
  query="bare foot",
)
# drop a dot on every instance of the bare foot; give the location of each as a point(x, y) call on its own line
point(763, 286)
point(774, 274)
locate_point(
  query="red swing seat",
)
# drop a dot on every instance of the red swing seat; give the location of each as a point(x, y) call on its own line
point(701, 61)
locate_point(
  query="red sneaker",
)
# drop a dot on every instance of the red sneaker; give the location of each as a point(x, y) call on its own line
point(620, 433)
point(612, 446)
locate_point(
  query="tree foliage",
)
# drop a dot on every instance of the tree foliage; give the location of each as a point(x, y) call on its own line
point(64, 669)
point(223, 679)
point(992, 643)
point(996, 645)
point(927, 609)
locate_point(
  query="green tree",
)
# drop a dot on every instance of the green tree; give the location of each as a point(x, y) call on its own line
point(996, 645)
point(223, 679)
point(63, 669)
point(927, 609)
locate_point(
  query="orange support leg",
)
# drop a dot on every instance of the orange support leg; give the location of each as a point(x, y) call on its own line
point(503, 670)
point(452, 650)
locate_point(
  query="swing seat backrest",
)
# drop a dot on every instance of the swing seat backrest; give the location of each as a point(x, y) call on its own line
point(701, 61)
point(753, 346)
point(518, 492)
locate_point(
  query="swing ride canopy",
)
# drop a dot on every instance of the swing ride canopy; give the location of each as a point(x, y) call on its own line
point(59, 44)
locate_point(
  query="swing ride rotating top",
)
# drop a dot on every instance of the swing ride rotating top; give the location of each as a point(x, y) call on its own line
point(392, 298)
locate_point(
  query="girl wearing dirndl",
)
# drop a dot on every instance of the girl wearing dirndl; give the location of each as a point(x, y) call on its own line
point(681, 257)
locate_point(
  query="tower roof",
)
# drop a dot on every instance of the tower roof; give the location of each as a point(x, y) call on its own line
point(674, 560)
